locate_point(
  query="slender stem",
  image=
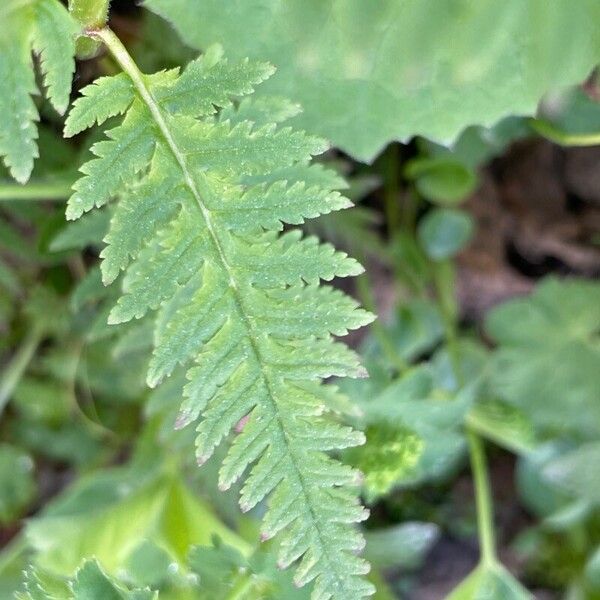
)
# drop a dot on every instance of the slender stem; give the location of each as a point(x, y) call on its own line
point(242, 588)
point(90, 14)
point(483, 499)
point(390, 195)
point(365, 294)
point(17, 546)
point(445, 287)
point(410, 206)
point(16, 367)
point(444, 281)
point(56, 190)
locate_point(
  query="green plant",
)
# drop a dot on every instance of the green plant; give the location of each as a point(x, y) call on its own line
point(182, 304)
point(220, 281)
point(45, 26)
point(366, 77)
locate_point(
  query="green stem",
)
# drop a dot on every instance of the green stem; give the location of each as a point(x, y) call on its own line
point(483, 500)
point(17, 546)
point(390, 193)
point(444, 281)
point(16, 367)
point(91, 15)
point(241, 589)
point(410, 207)
point(363, 287)
point(443, 274)
point(56, 190)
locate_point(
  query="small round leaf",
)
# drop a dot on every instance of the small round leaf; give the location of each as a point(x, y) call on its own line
point(444, 232)
point(443, 179)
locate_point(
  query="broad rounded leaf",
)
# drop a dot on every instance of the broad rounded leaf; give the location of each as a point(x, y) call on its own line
point(367, 76)
point(548, 355)
point(577, 472)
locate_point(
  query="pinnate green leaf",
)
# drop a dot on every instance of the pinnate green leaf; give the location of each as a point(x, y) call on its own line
point(45, 27)
point(197, 229)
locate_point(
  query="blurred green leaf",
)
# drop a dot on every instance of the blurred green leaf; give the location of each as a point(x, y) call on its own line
point(70, 442)
point(92, 583)
point(477, 145)
point(577, 471)
point(365, 77)
point(443, 233)
point(148, 565)
point(89, 583)
point(490, 582)
point(570, 118)
point(473, 358)
point(17, 483)
point(42, 399)
point(503, 424)
point(415, 328)
point(224, 573)
point(592, 570)
point(389, 455)
point(548, 354)
point(108, 517)
point(87, 231)
point(538, 494)
point(442, 179)
point(412, 406)
point(570, 517)
point(401, 546)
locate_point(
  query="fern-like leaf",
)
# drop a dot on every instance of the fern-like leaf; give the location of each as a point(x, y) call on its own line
point(197, 229)
point(46, 27)
point(90, 582)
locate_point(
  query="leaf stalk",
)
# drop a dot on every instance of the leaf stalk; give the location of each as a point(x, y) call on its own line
point(16, 367)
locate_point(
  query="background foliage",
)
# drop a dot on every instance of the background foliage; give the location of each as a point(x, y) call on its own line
point(367, 77)
point(481, 262)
